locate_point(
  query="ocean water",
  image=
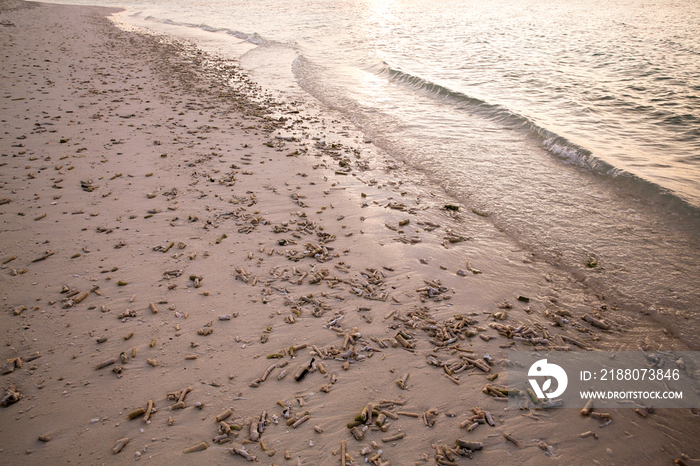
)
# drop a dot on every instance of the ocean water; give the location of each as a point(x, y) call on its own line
point(575, 124)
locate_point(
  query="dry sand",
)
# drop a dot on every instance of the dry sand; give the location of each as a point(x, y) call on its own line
point(138, 174)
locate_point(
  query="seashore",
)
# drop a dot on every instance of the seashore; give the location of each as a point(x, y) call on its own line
point(192, 270)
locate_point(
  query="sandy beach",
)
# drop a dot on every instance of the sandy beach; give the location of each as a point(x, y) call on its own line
point(180, 249)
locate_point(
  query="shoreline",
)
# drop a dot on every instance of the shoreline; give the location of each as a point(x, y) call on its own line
point(133, 172)
point(650, 279)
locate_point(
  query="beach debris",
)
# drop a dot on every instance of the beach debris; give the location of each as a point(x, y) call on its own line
point(500, 391)
point(511, 439)
point(405, 340)
point(505, 304)
point(224, 415)
point(136, 413)
point(447, 456)
point(165, 249)
point(179, 397)
point(402, 382)
point(256, 383)
point(12, 395)
point(221, 439)
point(301, 420)
point(105, 363)
point(588, 408)
point(88, 186)
point(11, 364)
point(533, 397)
point(549, 404)
point(433, 290)
point(472, 269)
point(149, 411)
point(254, 431)
point(343, 452)
point(468, 445)
point(429, 417)
point(241, 451)
point(479, 417)
point(121, 443)
point(453, 237)
point(595, 322)
point(31, 356)
point(522, 333)
point(574, 341)
point(318, 252)
point(170, 274)
point(45, 256)
point(79, 298)
point(224, 428)
point(303, 370)
point(357, 433)
point(393, 438)
point(602, 416)
point(548, 449)
point(183, 393)
point(199, 447)
point(197, 280)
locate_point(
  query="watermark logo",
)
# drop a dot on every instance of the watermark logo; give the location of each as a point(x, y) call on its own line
point(542, 368)
point(614, 379)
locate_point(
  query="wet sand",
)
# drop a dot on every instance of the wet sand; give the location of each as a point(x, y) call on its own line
point(162, 215)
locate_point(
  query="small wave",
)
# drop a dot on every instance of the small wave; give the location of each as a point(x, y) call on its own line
point(256, 39)
point(576, 155)
point(253, 38)
point(207, 28)
point(555, 144)
point(681, 120)
point(238, 34)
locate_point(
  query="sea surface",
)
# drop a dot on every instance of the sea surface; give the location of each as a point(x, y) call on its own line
point(573, 124)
